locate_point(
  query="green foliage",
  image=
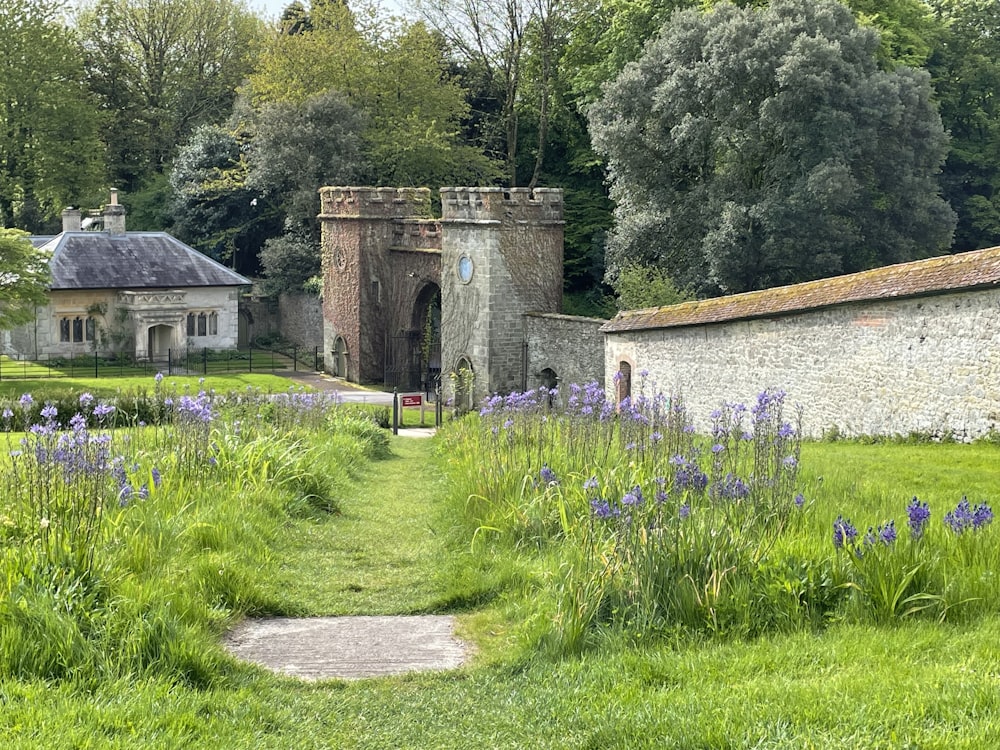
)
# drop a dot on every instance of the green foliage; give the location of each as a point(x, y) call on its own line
point(213, 210)
point(395, 74)
point(24, 278)
point(297, 147)
point(159, 69)
point(646, 286)
point(49, 153)
point(965, 67)
point(752, 148)
point(288, 262)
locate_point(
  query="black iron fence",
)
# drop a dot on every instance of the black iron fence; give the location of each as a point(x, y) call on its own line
point(187, 361)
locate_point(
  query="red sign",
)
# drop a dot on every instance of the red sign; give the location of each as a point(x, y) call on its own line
point(411, 400)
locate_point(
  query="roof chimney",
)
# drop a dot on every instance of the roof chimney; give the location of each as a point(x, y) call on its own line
point(71, 219)
point(114, 216)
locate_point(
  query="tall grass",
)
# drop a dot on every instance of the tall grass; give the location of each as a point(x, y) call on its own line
point(648, 529)
point(125, 550)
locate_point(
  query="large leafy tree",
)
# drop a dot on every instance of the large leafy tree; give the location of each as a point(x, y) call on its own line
point(966, 71)
point(159, 69)
point(754, 147)
point(50, 155)
point(394, 73)
point(24, 278)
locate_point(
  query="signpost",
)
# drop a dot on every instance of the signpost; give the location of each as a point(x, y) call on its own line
point(403, 401)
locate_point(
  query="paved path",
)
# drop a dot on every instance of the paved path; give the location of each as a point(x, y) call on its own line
point(321, 648)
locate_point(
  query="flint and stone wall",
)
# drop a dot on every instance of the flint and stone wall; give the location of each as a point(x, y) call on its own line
point(890, 367)
point(301, 319)
point(572, 347)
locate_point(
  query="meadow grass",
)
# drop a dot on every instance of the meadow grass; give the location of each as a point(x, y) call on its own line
point(110, 386)
point(322, 520)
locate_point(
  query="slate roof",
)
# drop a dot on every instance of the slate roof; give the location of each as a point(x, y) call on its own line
point(977, 269)
point(134, 260)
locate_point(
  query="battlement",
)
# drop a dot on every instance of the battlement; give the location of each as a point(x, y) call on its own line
point(374, 202)
point(541, 205)
point(416, 234)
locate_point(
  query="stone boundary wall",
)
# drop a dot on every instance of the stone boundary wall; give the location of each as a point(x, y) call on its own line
point(570, 346)
point(300, 319)
point(927, 365)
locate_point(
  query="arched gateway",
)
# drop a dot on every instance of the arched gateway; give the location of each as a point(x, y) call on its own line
point(409, 295)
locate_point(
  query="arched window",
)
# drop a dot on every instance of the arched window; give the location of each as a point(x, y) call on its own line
point(213, 324)
point(190, 324)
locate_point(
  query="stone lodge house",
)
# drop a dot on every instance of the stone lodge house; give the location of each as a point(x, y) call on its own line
point(913, 347)
point(141, 293)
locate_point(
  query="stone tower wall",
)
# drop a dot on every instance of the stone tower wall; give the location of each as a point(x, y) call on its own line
point(379, 251)
point(513, 240)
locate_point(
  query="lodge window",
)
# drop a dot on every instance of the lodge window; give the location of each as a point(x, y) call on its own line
point(203, 324)
point(77, 330)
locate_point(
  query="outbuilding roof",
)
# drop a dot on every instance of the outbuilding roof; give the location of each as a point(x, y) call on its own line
point(963, 271)
point(133, 260)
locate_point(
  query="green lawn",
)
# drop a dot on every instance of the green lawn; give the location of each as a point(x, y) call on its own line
point(109, 386)
point(393, 550)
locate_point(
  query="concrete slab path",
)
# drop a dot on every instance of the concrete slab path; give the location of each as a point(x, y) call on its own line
point(349, 648)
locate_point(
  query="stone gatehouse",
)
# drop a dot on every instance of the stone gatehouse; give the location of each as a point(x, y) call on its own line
point(407, 296)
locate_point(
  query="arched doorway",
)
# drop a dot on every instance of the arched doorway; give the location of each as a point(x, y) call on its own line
point(624, 381)
point(463, 385)
point(427, 322)
point(549, 381)
point(158, 341)
point(340, 354)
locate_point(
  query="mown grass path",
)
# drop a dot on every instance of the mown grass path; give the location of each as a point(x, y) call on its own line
point(381, 554)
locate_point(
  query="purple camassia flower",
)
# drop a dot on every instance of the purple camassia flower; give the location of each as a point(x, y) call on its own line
point(844, 532)
point(86, 399)
point(156, 476)
point(789, 462)
point(731, 487)
point(786, 430)
point(633, 498)
point(887, 533)
point(656, 437)
point(49, 411)
point(800, 500)
point(159, 377)
point(547, 475)
point(590, 484)
point(7, 414)
point(967, 517)
point(602, 509)
point(684, 511)
point(102, 410)
point(26, 400)
point(918, 514)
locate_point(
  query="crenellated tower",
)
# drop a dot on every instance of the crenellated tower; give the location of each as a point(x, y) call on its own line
point(501, 257)
point(380, 252)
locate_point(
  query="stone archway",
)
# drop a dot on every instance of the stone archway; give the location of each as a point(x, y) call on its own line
point(427, 322)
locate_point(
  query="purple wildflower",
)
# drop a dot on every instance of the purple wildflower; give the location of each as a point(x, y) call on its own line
point(590, 484)
point(800, 500)
point(26, 400)
point(918, 515)
point(601, 509)
point(547, 475)
point(684, 511)
point(887, 533)
point(844, 532)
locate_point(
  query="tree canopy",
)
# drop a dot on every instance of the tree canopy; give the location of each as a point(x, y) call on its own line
point(50, 155)
point(755, 147)
point(24, 278)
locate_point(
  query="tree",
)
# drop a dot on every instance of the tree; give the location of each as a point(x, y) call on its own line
point(24, 278)
point(213, 209)
point(296, 148)
point(749, 148)
point(289, 262)
point(493, 38)
point(966, 71)
point(49, 151)
point(646, 286)
point(160, 68)
point(392, 72)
